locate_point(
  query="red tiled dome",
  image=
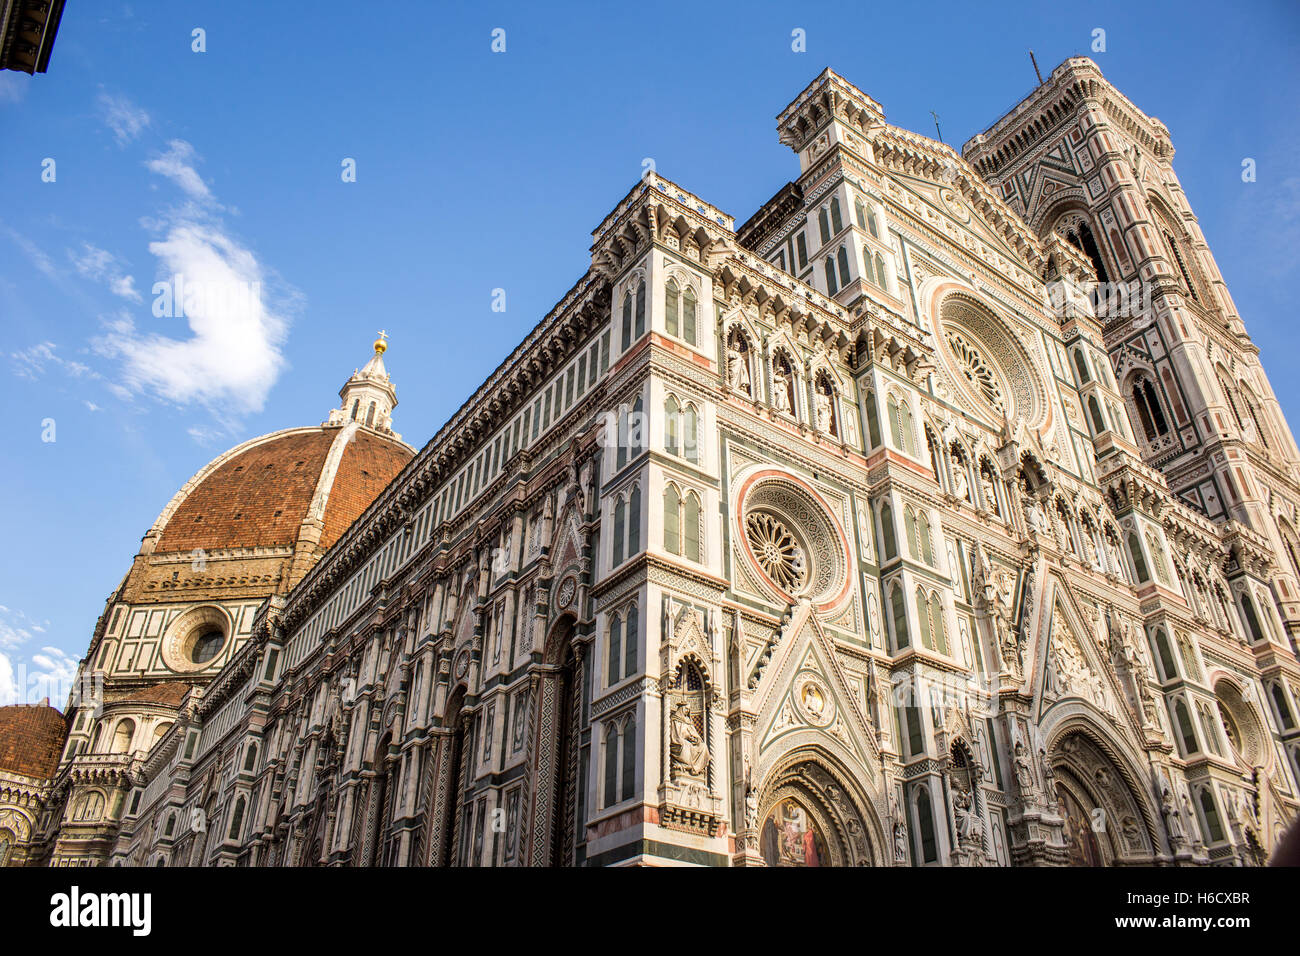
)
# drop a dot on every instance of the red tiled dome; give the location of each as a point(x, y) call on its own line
point(260, 493)
point(31, 739)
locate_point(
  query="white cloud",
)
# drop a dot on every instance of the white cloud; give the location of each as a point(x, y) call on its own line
point(123, 117)
point(93, 407)
point(176, 164)
point(48, 672)
point(8, 685)
point(219, 288)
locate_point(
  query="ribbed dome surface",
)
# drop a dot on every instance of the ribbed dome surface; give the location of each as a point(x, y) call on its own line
point(259, 494)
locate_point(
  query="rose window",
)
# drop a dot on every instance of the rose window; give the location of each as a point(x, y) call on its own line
point(777, 550)
point(976, 369)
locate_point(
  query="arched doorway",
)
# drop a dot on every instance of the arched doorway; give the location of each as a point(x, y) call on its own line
point(555, 821)
point(810, 815)
point(1104, 821)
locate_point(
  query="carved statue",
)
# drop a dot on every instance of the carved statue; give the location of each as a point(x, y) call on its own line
point(990, 495)
point(960, 484)
point(780, 388)
point(900, 842)
point(688, 749)
point(1173, 824)
point(825, 417)
point(1024, 773)
point(737, 367)
point(970, 829)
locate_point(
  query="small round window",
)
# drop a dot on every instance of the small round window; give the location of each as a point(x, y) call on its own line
point(206, 645)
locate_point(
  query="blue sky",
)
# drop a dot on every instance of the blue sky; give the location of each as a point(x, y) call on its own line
point(474, 171)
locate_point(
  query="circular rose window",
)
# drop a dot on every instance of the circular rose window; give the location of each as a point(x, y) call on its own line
point(777, 550)
point(792, 538)
point(195, 638)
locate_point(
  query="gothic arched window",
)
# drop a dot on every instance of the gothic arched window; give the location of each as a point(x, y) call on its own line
point(925, 826)
point(1186, 735)
point(837, 223)
point(640, 309)
point(889, 546)
point(672, 517)
point(671, 410)
point(831, 285)
point(614, 655)
point(898, 612)
point(1149, 409)
point(672, 308)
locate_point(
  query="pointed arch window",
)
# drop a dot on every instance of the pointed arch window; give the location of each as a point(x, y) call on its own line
point(1186, 734)
point(923, 622)
point(672, 444)
point(627, 320)
point(370, 414)
point(1082, 365)
point(837, 222)
point(691, 520)
point(1213, 827)
point(1283, 709)
point(236, 819)
point(620, 523)
point(688, 315)
point(898, 611)
point(1094, 411)
point(871, 224)
point(672, 508)
point(634, 521)
point(691, 434)
point(860, 213)
point(873, 420)
point(614, 669)
point(824, 225)
point(672, 308)
point(936, 623)
point(1251, 617)
point(1168, 670)
point(611, 764)
point(842, 257)
point(640, 309)
point(882, 279)
point(1139, 562)
point(1182, 266)
point(831, 285)
point(890, 545)
point(356, 408)
point(631, 641)
point(1150, 411)
point(925, 826)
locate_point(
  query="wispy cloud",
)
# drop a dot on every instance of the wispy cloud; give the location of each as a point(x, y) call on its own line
point(102, 266)
point(123, 117)
point(31, 363)
point(177, 165)
point(43, 263)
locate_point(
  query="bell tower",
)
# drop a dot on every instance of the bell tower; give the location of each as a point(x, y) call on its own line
point(1077, 158)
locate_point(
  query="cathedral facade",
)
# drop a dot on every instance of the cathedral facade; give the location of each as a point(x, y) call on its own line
point(939, 514)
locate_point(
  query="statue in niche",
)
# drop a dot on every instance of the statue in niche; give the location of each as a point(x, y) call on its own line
point(1037, 521)
point(1024, 773)
point(1173, 824)
point(989, 492)
point(689, 752)
point(825, 410)
point(960, 483)
point(738, 364)
point(782, 387)
point(970, 829)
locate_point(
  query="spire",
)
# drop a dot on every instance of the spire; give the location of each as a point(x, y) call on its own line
point(368, 396)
